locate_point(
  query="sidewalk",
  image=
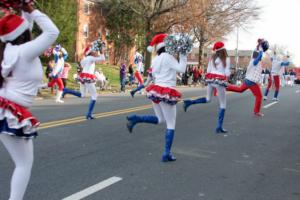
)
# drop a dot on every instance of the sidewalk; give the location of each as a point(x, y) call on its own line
point(115, 93)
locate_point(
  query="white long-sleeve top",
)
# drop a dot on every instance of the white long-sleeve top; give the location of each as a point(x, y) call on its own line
point(24, 63)
point(254, 72)
point(219, 69)
point(276, 66)
point(89, 62)
point(165, 68)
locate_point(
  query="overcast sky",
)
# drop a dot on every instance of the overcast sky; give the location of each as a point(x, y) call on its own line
point(279, 23)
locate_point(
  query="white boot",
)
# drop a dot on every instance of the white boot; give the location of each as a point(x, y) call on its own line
point(58, 97)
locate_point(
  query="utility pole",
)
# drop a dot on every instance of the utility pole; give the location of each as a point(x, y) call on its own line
point(237, 48)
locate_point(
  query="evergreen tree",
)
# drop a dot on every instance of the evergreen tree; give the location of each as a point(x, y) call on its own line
point(125, 28)
point(64, 15)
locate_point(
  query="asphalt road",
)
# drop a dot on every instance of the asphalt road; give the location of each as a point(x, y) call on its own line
point(259, 159)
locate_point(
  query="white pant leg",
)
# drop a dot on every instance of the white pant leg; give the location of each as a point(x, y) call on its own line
point(158, 112)
point(91, 88)
point(266, 79)
point(21, 152)
point(292, 80)
point(221, 96)
point(282, 80)
point(169, 112)
point(209, 92)
point(82, 90)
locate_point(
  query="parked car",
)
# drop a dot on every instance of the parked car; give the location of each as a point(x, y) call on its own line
point(297, 70)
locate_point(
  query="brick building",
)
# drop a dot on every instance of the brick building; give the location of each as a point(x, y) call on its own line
point(91, 26)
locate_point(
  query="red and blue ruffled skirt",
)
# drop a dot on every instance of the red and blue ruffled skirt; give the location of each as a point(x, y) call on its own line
point(87, 78)
point(216, 79)
point(163, 94)
point(15, 120)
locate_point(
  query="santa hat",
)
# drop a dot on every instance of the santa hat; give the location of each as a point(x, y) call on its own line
point(218, 46)
point(157, 40)
point(11, 27)
point(87, 51)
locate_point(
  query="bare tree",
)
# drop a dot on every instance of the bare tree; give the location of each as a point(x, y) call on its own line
point(151, 11)
point(218, 18)
point(206, 20)
point(279, 50)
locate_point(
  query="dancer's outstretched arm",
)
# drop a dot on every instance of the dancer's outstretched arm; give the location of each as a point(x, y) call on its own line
point(258, 58)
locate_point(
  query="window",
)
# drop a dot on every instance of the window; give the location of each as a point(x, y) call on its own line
point(86, 30)
point(107, 32)
point(86, 8)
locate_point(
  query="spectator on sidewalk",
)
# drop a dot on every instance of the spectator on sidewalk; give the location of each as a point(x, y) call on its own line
point(123, 77)
point(48, 71)
point(65, 73)
point(102, 80)
point(200, 73)
point(195, 75)
point(131, 74)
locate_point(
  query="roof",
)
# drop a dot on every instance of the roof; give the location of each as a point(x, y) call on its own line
point(231, 53)
point(245, 53)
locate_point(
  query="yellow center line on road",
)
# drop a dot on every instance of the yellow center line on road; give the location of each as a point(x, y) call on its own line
point(97, 116)
point(81, 117)
point(78, 119)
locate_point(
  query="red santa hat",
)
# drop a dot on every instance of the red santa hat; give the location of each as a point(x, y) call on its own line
point(218, 46)
point(87, 50)
point(157, 40)
point(11, 27)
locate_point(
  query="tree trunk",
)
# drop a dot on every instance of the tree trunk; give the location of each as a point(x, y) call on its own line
point(201, 46)
point(200, 53)
point(148, 38)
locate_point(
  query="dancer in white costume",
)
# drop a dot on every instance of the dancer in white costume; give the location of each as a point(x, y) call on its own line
point(217, 75)
point(87, 79)
point(21, 75)
point(162, 93)
point(277, 67)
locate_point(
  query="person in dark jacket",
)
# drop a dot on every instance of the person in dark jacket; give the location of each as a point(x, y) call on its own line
point(123, 77)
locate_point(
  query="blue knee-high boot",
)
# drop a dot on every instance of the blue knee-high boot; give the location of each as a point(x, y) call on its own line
point(132, 92)
point(91, 108)
point(188, 103)
point(167, 156)
point(220, 121)
point(72, 92)
point(266, 92)
point(276, 94)
point(134, 119)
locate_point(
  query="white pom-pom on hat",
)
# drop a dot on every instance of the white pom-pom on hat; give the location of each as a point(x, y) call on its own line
point(150, 49)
